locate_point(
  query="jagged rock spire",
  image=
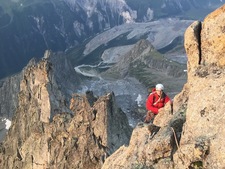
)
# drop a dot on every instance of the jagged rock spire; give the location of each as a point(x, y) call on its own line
point(46, 132)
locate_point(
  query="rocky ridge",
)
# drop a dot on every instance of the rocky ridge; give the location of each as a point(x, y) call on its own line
point(191, 135)
point(148, 66)
point(49, 132)
point(10, 86)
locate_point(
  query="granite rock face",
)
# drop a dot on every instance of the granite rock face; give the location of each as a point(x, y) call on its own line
point(201, 141)
point(49, 132)
point(190, 136)
point(62, 73)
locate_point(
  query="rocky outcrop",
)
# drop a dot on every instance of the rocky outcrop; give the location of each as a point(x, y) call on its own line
point(192, 136)
point(151, 146)
point(49, 132)
point(201, 141)
point(61, 70)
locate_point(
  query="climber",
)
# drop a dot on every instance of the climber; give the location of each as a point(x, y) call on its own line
point(156, 100)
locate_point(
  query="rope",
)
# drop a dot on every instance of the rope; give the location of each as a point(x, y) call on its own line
point(175, 138)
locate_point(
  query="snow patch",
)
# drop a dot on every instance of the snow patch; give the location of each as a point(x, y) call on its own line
point(150, 14)
point(7, 123)
point(139, 100)
point(127, 17)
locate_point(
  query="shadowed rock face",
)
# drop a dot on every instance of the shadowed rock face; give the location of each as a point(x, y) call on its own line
point(191, 136)
point(46, 132)
point(9, 85)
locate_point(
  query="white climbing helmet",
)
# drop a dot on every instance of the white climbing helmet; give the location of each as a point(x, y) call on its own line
point(159, 87)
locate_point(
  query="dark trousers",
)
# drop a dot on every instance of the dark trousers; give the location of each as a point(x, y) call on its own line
point(149, 116)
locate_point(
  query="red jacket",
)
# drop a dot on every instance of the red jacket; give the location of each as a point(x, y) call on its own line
point(152, 98)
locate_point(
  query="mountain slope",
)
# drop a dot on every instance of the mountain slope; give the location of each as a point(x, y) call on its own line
point(31, 28)
point(28, 28)
point(149, 67)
